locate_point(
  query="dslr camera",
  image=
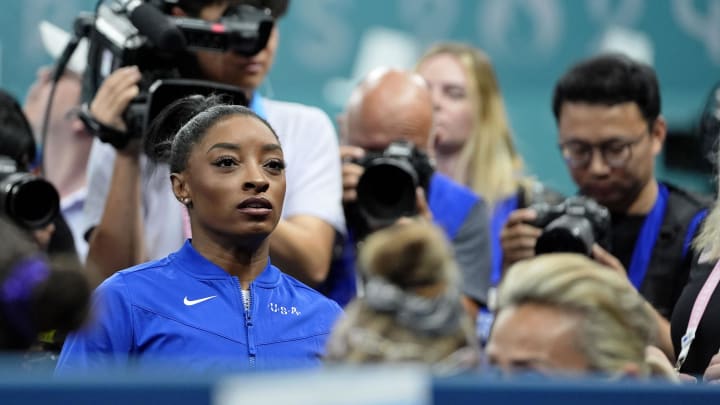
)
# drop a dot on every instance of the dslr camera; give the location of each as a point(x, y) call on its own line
point(573, 225)
point(30, 201)
point(142, 33)
point(386, 191)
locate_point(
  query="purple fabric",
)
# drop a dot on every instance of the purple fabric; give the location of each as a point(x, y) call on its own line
point(16, 292)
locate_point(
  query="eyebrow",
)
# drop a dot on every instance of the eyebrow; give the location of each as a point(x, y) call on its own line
point(224, 145)
point(269, 147)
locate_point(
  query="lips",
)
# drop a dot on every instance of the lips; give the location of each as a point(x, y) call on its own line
point(255, 206)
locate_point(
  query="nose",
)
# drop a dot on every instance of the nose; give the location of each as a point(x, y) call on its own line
point(435, 95)
point(256, 179)
point(597, 165)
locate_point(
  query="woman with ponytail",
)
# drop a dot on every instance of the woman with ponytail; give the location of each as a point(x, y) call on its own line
point(217, 303)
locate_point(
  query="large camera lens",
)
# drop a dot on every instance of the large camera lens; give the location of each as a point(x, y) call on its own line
point(566, 234)
point(386, 191)
point(29, 200)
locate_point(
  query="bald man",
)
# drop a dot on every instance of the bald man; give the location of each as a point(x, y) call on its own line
point(393, 105)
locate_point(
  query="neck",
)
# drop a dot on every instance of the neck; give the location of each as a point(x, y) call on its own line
point(242, 259)
point(645, 200)
point(446, 163)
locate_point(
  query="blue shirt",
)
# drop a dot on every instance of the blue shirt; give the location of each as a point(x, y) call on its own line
point(185, 311)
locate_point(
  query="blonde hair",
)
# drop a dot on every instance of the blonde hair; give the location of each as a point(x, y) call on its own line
point(489, 162)
point(416, 261)
point(616, 323)
point(708, 240)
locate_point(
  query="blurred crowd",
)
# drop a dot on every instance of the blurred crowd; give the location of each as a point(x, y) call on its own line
point(225, 231)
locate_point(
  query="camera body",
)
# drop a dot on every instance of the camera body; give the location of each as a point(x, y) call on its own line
point(133, 32)
point(386, 191)
point(573, 225)
point(28, 200)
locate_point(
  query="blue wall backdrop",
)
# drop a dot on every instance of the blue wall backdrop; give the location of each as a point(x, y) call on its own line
point(326, 45)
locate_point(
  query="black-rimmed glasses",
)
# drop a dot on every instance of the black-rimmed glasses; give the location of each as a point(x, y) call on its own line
point(616, 153)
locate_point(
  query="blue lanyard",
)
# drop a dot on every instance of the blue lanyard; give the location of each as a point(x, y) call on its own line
point(258, 106)
point(647, 238)
point(501, 213)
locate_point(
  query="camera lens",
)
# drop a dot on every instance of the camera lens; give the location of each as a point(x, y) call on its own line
point(386, 192)
point(29, 200)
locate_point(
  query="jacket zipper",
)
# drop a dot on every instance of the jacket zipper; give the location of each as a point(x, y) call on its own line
point(252, 352)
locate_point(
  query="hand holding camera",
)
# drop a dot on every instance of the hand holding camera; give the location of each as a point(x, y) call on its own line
point(577, 225)
point(114, 97)
point(382, 187)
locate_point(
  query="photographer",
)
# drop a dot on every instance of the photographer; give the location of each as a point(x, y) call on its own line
point(18, 148)
point(33, 298)
point(131, 212)
point(391, 106)
point(610, 130)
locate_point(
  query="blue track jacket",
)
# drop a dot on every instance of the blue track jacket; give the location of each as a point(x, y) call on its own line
point(187, 312)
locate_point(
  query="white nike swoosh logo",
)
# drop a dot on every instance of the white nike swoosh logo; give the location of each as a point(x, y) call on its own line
point(188, 302)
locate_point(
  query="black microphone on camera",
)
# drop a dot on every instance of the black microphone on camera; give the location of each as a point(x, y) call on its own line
point(81, 29)
point(155, 25)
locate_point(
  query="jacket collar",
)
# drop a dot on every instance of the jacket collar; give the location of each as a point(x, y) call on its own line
point(192, 262)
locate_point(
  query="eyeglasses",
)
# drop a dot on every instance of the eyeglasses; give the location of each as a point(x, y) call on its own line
point(616, 153)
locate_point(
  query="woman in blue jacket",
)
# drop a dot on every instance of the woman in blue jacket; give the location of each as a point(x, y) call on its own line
point(217, 303)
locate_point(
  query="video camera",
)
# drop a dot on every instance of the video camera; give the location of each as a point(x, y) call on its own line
point(573, 225)
point(141, 33)
point(386, 190)
point(28, 200)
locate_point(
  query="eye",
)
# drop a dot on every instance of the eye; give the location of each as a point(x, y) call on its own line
point(225, 161)
point(576, 149)
point(275, 165)
point(615, 148)
point(455, 92)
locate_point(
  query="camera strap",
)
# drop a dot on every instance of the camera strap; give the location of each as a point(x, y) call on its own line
point(698, 309)
point(646, 239)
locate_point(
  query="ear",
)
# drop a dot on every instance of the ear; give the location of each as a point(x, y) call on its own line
point(180, 187)
point(177, 12)
point(658, 133)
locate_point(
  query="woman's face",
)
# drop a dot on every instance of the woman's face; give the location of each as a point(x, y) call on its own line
point(451, 97)
point(234, 179)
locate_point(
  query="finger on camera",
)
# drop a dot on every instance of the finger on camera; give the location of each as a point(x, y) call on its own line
point(604, 257)
point(422, 205)
point(520, 230)
point(349, 195)
point(514, 256)
point(522, 215)
point(120, 80)
point(349, 152)
point(521, 243)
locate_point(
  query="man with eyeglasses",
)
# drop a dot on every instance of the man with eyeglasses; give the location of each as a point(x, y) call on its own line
point(607, 110)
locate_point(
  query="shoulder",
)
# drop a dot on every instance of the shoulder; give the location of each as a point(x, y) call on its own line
point(444, 184)
point(680, 196)
point(137, 279)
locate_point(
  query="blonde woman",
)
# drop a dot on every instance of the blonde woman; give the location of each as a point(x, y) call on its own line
point(600, 324)
point(698, 308)
point(472, 139)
